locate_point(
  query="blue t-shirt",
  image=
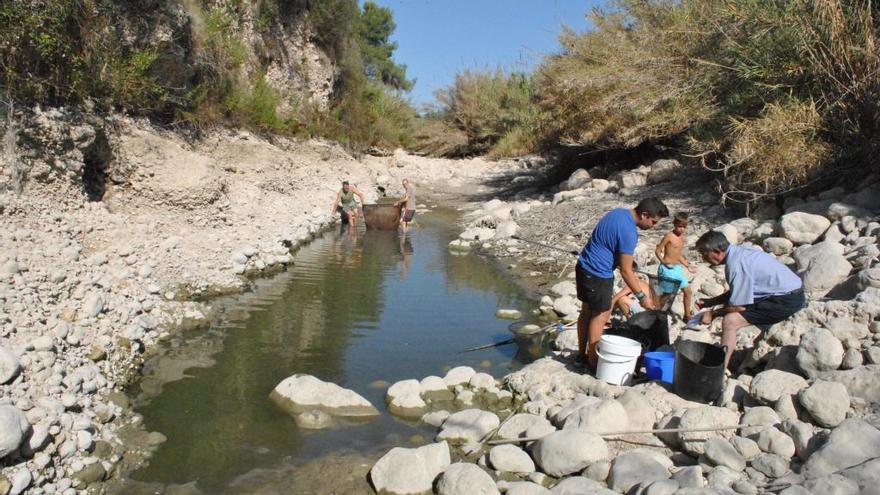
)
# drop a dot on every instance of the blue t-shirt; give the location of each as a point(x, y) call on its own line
point(615, 234)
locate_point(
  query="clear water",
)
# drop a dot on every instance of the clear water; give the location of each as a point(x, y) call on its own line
point(352, 310)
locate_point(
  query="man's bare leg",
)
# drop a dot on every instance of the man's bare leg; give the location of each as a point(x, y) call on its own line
point(595, 329)
point(582, 326)
point(688, 312)
point(730, 325)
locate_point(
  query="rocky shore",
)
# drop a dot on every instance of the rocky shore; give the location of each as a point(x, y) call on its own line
point(116, 234)
point(801, 415)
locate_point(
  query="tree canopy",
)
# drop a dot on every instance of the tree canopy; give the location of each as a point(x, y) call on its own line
point(375, 26)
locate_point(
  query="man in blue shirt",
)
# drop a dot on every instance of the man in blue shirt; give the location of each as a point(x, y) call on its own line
point(611, 245)
point(762, 291)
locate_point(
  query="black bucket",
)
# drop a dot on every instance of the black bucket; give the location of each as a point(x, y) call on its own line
point(649, 328)
point(699, 371)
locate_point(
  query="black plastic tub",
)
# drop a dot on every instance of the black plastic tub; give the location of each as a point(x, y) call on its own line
point(649, 328)
point(699, 371)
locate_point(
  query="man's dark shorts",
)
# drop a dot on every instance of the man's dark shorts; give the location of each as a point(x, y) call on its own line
point(595, 292)
point(408, 215)
point(771, 310)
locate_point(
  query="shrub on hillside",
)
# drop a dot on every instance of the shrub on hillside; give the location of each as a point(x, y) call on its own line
point(775, 93)
point(490, 106)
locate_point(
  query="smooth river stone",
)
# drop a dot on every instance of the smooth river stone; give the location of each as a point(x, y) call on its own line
point(302, 393)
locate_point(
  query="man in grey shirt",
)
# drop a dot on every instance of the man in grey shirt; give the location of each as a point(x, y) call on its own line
point(409, 202)
point(762, 291)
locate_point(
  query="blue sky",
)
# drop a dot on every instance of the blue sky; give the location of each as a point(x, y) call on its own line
point(437, 38)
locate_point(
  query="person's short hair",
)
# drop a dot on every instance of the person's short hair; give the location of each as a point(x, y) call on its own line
point(652, 207)
point(712, 241)
point(681, 218)
point(345, 183)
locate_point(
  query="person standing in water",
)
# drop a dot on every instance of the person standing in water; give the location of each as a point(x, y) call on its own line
point(346, 204)
point(611, 245)
point(409, 202)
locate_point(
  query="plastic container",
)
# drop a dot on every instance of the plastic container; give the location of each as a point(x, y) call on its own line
point(617, 359)
point(660, 365)
point(699, 371)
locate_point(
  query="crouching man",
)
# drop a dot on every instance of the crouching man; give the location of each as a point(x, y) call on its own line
point(762, 291)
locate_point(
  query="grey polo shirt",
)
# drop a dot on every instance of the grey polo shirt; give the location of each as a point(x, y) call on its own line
point(753, 274)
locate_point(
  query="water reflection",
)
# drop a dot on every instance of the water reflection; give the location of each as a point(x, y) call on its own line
point(357, 306)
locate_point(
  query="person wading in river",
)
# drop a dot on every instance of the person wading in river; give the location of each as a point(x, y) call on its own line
point(346, 204)
point(762, 291)
point(611, 245)
point(409, 202)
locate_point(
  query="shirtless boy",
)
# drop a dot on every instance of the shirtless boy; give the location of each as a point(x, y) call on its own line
point(670, 252)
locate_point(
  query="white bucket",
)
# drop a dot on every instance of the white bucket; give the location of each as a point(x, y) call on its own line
point(617, 359)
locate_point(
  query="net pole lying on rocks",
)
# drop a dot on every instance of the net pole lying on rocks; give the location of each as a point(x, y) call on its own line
point(633, 432)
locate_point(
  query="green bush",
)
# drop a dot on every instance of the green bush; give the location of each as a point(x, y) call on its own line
point(490, 107)
point(777, 94)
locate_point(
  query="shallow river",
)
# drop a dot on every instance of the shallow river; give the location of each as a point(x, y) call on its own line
point(352, 310)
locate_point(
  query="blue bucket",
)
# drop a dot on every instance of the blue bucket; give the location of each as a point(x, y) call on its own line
point(660, 365)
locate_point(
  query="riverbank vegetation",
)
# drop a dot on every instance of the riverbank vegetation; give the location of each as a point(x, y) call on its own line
point(200, 70)
point(775, 95)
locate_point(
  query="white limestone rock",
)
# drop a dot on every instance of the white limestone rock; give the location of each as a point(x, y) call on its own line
point(410, 471)
point(300, 393)
point(9, 366)
point(511, 459)
point(14, 427)
point(463, 478)
point(459, 375)
point(631, 469)
point(768, 386)
point(603, 417)
point(826, 402)
point(803, 228)
point(470, 425)
point(565, 452)
point(704, 417)
point(853, 442)
point(819, 350)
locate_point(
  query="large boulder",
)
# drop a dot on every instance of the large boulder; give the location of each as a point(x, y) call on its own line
point(302, 393)
point(862, 382)
point(14, 427)
point(768, 386)
point(606, 416)
point(460, 375)
point(470, 425)
point(819, 350)
point(803, 228)
point(693, 442)
point(578, 179)
point(565, 452)
point(9, 366)
point(410, 471)
point(663, 171)
point(853, 442)
point(631, 469)
point(511, 459)
point(821, 277)
point(524, 425)
point(867, 476)
point(827, 402)
point(807, 255)
point(722, 453)
point(464, 478)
